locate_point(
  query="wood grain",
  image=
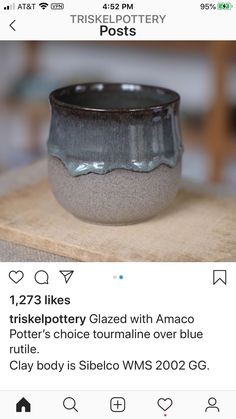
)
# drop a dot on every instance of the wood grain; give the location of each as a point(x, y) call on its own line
point(197, 227)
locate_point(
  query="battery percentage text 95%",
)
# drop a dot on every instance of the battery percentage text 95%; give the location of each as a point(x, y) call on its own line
point(208, 6)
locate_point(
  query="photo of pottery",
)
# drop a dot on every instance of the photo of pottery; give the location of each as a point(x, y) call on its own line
point(116, 149)
point(117, 152)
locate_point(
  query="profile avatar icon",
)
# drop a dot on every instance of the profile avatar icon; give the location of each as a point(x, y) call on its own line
point(212, 405)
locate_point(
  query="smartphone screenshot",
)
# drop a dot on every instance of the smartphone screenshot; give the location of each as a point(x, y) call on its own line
point(117, 209)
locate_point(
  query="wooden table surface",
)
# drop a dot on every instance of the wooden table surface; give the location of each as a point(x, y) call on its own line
point(197, 227)
point(14, 180)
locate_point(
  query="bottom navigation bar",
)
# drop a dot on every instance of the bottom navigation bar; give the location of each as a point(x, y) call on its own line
point(151, 404)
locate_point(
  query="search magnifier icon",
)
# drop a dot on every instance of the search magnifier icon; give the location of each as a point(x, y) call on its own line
point(69, 404)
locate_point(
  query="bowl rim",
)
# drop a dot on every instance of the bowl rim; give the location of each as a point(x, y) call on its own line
point(54, 96)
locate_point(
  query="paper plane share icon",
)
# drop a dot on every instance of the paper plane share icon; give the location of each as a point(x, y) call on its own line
point(67, 275)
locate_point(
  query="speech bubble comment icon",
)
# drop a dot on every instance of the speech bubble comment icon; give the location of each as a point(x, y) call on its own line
point(41, 277)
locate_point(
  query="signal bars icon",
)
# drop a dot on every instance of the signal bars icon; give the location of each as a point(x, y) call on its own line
point(43, 5)
point(10, 7)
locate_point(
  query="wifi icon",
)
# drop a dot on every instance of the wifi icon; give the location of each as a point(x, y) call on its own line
point(43, 5)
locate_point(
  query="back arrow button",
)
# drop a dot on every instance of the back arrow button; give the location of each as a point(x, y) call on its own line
point(11, 25)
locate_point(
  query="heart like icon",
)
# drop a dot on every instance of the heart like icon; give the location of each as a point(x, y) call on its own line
point(165, 404)
point(16, 276)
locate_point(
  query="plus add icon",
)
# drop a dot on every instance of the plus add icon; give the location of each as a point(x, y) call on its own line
point(117, 404)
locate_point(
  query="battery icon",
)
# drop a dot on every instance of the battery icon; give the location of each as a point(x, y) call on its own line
point(224, 6)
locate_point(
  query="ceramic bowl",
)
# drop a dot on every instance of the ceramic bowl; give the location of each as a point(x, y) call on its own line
point(114, 151)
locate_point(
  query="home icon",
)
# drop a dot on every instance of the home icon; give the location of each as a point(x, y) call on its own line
point(23, 406)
